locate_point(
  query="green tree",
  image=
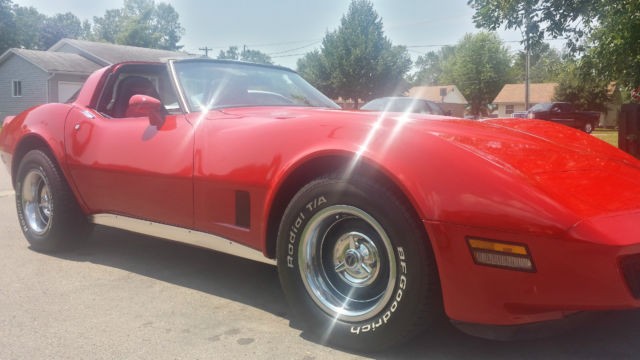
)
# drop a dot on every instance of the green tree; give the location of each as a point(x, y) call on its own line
point(578, 85)
point(58, 27)
point(363, 62)
point(28, 26)
point(313, 67)
point(608, 32)
point(255, 56)
point(25, 27)
point(106, 27)
point(546, 64)
point(167, 24)
point(9, 37)
point(430, 66)
point(480, 67)
point(538, 19)
point(137, 29)
point(614, 48)
point(140, 23)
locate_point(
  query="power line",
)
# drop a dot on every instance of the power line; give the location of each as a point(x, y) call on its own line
point(294, 49)
point(269, 44)
point(288, 55)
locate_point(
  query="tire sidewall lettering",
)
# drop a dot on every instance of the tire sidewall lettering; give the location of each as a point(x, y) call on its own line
point(296, 228)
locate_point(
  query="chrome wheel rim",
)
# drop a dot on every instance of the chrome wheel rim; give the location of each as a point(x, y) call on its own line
point(347, 263)
point(37, 206)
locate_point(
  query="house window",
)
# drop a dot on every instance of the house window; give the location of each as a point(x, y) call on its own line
point(443, 92)
point(509, 109)
point(17, 88)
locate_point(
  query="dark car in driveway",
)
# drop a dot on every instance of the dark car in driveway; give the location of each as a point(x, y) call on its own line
point(404, 104)
point(565, 114)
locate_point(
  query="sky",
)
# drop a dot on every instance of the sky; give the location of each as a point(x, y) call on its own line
point(286, 29)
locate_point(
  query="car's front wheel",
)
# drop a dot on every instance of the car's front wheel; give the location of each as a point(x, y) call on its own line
point(49, 215)
point(355, 265)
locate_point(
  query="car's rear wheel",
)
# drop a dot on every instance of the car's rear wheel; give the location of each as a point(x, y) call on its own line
point(355, 265)
point(49, 215)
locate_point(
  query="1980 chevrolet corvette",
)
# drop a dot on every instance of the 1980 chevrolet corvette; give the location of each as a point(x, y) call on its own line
point(375, 220)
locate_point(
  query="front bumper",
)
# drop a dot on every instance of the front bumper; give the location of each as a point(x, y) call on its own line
point(572, 274)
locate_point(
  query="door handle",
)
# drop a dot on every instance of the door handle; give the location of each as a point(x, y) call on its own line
point(77, 127)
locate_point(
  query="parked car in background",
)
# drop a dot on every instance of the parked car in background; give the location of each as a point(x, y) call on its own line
point(564, 113)
point(404, 104)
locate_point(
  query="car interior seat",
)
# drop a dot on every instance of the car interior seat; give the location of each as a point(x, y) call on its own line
point(129, 86)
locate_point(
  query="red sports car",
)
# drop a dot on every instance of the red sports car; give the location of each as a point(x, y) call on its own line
point(376, 220)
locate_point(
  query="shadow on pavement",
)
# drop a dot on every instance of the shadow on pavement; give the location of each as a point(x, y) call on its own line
point(608, 335)
point(245, 281)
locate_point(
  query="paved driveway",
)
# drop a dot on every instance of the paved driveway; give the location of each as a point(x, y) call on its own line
point(126, 296)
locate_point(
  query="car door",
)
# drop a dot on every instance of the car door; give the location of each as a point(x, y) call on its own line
point(128, 166)
point(563, 114)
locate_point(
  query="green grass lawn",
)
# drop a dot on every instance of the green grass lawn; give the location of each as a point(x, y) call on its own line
point(610, 136)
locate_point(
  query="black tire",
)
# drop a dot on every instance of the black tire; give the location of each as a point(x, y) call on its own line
point(363, 207)
point(63, 224)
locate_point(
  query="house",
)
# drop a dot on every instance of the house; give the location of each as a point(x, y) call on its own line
point(447, 96)
point(32, 77)
point(511, 98)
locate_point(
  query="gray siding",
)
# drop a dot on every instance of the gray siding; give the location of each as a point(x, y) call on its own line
point(74, 50)
point(53, 84)
point(34, 86)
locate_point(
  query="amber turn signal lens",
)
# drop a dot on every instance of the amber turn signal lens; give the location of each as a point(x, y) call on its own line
point(501, 254)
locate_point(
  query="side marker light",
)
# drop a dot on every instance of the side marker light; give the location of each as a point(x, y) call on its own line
point(505, 255)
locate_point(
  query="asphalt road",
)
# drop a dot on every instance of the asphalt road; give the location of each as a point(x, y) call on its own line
point(126, 296)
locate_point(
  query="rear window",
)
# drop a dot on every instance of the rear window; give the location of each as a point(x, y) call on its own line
point(541, 107)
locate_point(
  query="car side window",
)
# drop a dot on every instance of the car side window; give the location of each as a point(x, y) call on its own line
point(137, 79)
point(566, 108)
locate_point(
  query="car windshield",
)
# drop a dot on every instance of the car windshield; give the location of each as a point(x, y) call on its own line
point(217, 84)
point(541, 107)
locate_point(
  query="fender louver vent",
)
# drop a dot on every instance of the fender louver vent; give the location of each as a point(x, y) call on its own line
point(243, 209)
point(630, 266)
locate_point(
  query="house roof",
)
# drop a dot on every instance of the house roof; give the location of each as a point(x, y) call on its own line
point(515, 93)
point(113, 54)
point(432, 93)
point(54, 61)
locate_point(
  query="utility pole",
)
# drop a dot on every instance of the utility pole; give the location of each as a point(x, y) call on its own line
point(526, 76)
point(526, 85)
point(206, 50)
